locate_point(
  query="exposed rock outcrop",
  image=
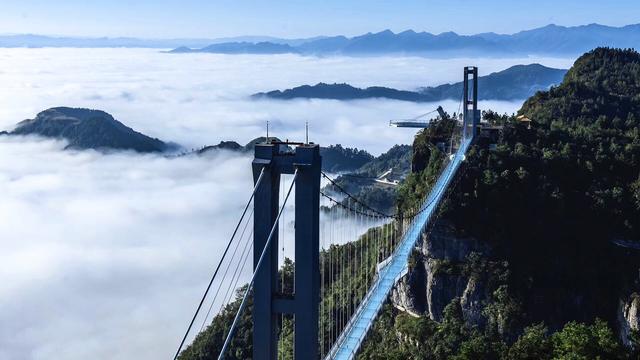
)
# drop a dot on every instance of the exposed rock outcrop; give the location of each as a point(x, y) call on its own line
point(629, 313)
point(629, 317)
point(441, 271)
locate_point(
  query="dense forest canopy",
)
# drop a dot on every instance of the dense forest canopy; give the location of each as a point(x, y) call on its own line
point(551, 198)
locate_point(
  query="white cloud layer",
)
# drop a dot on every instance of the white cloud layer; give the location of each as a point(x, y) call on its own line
point(198, 99)
point(104, 256)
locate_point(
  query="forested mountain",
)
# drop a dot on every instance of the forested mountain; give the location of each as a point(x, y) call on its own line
point(342, 92)
point(527, 235)
point(523, 261)
point(515, 83)
point(362, 181)
point(87, 129)
point(336, 158)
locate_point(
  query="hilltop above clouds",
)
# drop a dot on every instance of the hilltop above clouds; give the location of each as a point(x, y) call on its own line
point(87, 129)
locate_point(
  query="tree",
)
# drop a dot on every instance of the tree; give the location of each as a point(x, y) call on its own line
point(533, 344)
point(634, 337)
point(481, 347)
point(586, 342)
point(635, 187)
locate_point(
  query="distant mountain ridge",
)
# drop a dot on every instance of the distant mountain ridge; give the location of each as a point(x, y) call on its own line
point(547, 40)
point(241, 48)
point(38, 41)
point(514, 83)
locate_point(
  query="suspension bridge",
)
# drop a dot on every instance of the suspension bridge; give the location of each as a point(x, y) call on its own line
point(347, 255)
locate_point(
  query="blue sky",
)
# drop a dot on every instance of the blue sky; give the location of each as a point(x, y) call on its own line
point(300, 18)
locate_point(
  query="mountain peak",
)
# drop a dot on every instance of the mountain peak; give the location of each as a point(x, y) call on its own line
point(617, 66)
point(448, 34)
point(625, 61)
point(385, 32)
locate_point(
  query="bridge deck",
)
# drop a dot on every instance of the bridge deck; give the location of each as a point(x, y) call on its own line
point(349, 342)
point(410, 124)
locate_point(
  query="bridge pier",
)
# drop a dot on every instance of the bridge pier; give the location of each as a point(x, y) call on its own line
point(269, 301)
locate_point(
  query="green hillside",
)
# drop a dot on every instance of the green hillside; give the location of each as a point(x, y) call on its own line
point(550, 201)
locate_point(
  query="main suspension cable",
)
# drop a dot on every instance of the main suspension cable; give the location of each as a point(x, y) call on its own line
point(334, 183)
point(215, 273)
point(226, 271)
point(255, 272)
point(378, 213)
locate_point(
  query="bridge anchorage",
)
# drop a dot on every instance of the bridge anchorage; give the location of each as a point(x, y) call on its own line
point(337, 291)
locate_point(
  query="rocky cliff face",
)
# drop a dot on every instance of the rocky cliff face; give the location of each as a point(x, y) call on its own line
point(443, 267)
point(629, 314)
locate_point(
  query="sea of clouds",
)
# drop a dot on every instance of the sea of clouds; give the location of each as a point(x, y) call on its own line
point(104, 256)
point(201, 99)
